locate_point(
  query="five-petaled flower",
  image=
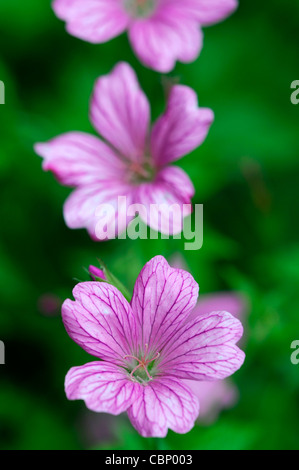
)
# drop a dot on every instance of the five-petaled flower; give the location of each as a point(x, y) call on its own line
point(160, 31)
point(132, 163)
point(149, 348)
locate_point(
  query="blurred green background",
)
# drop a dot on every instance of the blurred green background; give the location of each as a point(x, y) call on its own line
point(246, 174)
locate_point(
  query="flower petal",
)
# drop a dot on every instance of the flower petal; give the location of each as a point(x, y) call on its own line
point(120, 111)
point(100, 320)
point(162, 299)
point(206, 12)
point(182, 128)
point(78, 159)
point(161, 405)
point(103, 386)
point(167, 200)
point(100, 208)
point(163, 39)
point(95, 21)
point(205, 348)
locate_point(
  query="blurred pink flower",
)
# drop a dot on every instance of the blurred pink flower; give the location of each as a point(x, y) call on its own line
point(148, 348)
point(233, 302)
point(213, 398)
point(49, 304)
point(132, 164)
point(221, 394)
point(160, 31)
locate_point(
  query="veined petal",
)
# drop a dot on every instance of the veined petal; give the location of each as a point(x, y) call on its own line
point(161, 40)
point(100, 320)
point(162, 405)
point(100, 208)
point(120, 111)
point(95, 21)
point(182, 128)
point(205, 348)
point(173, 176)
point(167, 200)
point(78, 159)
point(103, 386)
point(162, 299)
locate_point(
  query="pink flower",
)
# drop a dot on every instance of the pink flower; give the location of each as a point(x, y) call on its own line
point(220, 394)
point(49, 304)
point(160, 31)
point(148, 348)
point(133, 164)
point(213, 398)
point(233, 302)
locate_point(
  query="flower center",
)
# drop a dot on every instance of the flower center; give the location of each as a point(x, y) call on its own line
point(140, 8)
point(142, 367)
point(140, 173)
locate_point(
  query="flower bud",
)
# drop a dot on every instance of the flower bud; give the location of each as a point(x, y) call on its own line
point(102, 274)
point(96, 274)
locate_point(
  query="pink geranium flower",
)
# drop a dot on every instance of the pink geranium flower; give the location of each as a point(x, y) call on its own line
point(160, 31)
point(133, 163)
point(148, 348)
point(220, 394)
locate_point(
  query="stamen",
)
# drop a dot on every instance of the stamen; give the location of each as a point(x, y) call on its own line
point(154, 358)
point(147, 373)
point(136, 368)
point(133, 357)
point(143, 362)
